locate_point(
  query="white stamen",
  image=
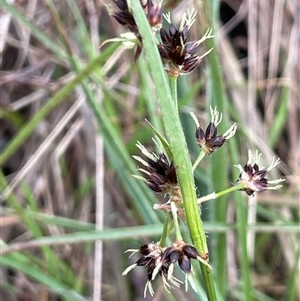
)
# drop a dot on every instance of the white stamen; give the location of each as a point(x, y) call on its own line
point(158, 144)
point(143, 149)
point(206, 53)
point(195, 119)
point(167, 16)
point(240, 168)
point(230, 132)
point(133, 251)
point(156, 270)
point(139, 159)
point(190, 279)
point(273, 164)
point(206, 36)
point(276, 181)
point(188, 19)
point(175, 281)
point(127, 270)
point(216, 117)
point(140, 177)
point(149, 286)
point(170, 271)
point(167, 286)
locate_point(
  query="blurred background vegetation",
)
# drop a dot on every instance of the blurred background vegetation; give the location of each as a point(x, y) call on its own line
point(71, 113)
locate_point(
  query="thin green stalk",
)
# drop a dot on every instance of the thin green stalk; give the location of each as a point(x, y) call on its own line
point(216, 95)
point(214, 195)
point(165, 232)
point(177, 142)
point(198, 160)
point(173, 88)
point(175, 220)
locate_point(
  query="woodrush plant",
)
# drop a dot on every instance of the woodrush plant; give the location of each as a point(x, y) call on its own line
point(170, 172)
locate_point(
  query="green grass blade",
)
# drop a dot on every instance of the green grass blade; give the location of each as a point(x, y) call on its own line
point(87, 236)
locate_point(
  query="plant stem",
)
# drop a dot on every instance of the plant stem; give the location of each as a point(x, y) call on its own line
point(175, 219)
point(198, 160)
point(173, 88)
point(177, 141)
point(214, 195)
point(163, 238)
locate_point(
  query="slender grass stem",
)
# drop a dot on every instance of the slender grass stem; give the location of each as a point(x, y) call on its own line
point(214, 195)
point(173, 88)
point(164, 235)
point(177, 142)
point(175, 219)
point(198, 160)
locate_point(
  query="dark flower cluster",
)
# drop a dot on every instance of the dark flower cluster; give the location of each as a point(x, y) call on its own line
point(159, 174)
point(254, 178)
point(208, 141)
point(125, 18)
point(160, 261)
point(177, 54)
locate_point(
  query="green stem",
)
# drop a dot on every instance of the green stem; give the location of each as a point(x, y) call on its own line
point(177, 142)
point(214, 195)
point(198, 160)
point(164, 235)
point(173, 88)
point(175, 219)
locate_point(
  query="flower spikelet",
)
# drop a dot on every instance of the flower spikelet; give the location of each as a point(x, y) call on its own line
point(254, 177)
point(161, 261)
point(209, 141)
point(152, 259)
point(179, 56)
point(159, 173)
point(125, 18)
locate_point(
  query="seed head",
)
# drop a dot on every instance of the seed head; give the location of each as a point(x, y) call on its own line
point(159, 174)
point(208, 141)
point(177, 54)
point(125, 18)
point(254, 177)
point(161, 261)
point(152, 259)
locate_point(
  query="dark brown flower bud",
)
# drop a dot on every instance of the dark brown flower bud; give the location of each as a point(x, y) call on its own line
point(159, 174)
point(185, 264)
point(190, 251)
point(178, 55)
point(154, 13)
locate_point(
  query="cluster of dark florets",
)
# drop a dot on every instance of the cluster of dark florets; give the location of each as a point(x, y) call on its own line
point(209, 141)
point(159, 174)
point(254, 177)
point(177, 54)
point(125, 18)
point(160, 261)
